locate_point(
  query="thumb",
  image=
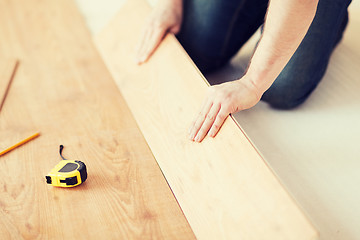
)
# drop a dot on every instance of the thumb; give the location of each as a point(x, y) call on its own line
point(175, 29)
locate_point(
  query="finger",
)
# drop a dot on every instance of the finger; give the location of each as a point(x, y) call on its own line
point(152, 43)
point(145, 31)
point(205, 107)
point(220, 118)
point(143, 40)
point(145, 45)
point(208, 122)
point(200, 119)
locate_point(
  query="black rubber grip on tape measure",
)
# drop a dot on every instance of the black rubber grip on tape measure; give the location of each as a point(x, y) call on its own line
point(70, 181)
point(48, 180)
point(82, 170)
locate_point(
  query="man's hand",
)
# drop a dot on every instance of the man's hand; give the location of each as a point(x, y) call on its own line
point(166, 17)
point(222, 100)
point(283, 33)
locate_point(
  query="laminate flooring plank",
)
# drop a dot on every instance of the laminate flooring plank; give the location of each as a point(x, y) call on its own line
point(224, 187)
point(64, 90)
point(8, 68)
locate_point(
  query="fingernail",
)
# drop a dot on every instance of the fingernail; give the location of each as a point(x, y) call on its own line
point(139, 59)
point(211, 134)
point(191, 137)
point(197, 139)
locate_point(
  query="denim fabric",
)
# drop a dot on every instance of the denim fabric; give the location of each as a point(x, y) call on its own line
point(214, 30)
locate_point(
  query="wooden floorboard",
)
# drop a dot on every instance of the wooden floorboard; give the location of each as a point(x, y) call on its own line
point(63, 89)
point(224, 187)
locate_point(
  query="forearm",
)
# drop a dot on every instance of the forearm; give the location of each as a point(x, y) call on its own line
point(286, 24)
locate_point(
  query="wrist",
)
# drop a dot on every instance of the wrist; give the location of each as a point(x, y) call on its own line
point(249, 83)
point(261, 78)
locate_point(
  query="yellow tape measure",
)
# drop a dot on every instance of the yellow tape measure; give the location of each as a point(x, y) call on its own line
point(67, 173)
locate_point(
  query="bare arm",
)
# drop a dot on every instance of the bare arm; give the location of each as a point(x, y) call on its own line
point(286, 24)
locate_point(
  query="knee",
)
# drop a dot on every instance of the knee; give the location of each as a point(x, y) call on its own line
point(288, 95)
point(284, 101)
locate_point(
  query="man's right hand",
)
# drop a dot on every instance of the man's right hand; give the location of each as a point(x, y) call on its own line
point(166, 17)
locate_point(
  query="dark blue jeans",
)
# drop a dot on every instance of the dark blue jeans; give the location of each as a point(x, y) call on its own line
point(214, 30)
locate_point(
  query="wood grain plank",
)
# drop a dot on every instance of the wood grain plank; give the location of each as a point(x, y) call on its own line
point(64, 90)
point(223, 185)
point(7, 73)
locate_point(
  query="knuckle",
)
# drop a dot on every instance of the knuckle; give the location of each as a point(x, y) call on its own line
point(216, 126)
point(227, 96)
point(159, 24)
point(202, 115)
point(234, 108)
point(222, 116)
point(197, 125)
point(210, 117)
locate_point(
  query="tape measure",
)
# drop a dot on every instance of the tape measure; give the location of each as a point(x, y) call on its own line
point(67, 173)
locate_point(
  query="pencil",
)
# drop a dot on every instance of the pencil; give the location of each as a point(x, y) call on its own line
point(20, 143)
